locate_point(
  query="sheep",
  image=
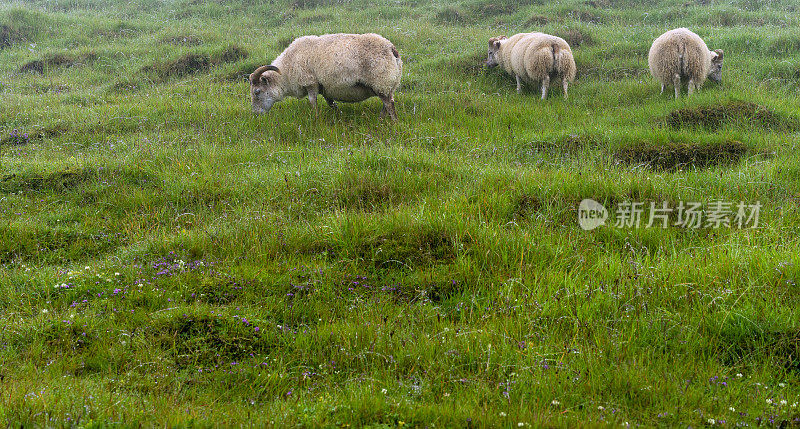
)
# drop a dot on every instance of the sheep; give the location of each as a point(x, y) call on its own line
point(682, 55)
point(340, 67)
point(534, 57)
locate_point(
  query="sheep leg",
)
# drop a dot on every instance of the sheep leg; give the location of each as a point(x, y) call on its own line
point(676, 82)
point(313, 91)
point(388, 107)
point(565, 84)
point(330, 102)
point(662, 88)
point(519, 84)
point(692, 87)
point(545, 85)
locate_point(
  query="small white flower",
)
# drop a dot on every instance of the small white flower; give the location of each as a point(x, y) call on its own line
point(769, 401)
point(601, 408)
point(116, 274)
point(794, 405)
point(555, 402)
point(502, 414)
point(384, 391)
point(87, 268)
point(733, 410)
point(783, 402)
point(712, 421)
point(520, 424)
point(781, 384)
point(44, 311)
point(739, 375)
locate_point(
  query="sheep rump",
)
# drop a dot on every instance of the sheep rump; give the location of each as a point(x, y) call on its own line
point(536, 57)
point(681, 55)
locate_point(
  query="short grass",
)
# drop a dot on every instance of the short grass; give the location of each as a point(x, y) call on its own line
point(168, 258)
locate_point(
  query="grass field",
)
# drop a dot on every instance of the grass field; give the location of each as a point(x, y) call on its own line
point(169, 258)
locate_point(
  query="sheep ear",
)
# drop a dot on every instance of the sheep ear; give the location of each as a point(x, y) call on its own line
point(716, 56)
point(719, 54)
point(497, 44)
point(263, 79)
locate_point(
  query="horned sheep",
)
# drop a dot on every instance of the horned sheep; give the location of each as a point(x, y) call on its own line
point(340, 67)
point(534, 57)
point(680, 55)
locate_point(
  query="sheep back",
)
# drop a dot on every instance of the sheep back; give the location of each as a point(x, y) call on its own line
point(546, 55)
point(506, 49)
point(348, 67)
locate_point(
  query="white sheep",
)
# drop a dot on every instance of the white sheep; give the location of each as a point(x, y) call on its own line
point(680, 55)
point(534, 57)
point(341, 67)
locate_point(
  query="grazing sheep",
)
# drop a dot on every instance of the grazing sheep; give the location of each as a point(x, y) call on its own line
point(534, 57)
point(680, 55)
point(341, 67)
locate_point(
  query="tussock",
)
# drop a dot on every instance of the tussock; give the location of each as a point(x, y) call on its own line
point(575, 37)
point(55, 61)
point(184, 40)
point(194, 62)
point(738, 113)
point(58, 182)
point(452, 15)
point(677, 155)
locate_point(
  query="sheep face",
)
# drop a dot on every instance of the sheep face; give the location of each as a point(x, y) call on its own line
point(265, 89)
point(494, 48)
point(715, 74)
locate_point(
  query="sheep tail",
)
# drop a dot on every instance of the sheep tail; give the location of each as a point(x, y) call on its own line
point(563, 65)
point(395, 53)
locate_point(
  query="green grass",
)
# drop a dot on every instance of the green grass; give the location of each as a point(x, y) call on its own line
point(168, 258)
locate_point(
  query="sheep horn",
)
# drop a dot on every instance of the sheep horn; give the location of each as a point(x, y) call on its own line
point(261, 70)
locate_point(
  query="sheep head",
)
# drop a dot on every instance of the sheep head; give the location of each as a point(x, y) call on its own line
point(494, 47)
point(265, 88)
point(715, 74)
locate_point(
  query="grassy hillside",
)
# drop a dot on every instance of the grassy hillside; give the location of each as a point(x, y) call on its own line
point(169, 258)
